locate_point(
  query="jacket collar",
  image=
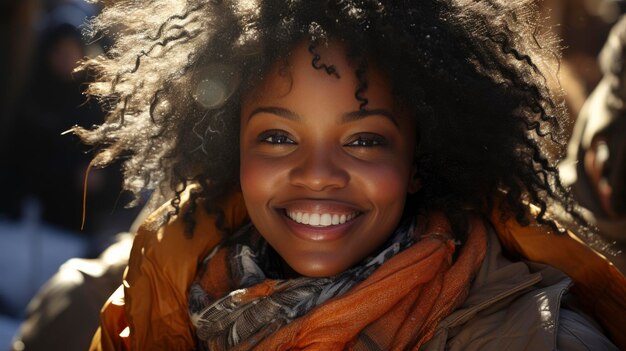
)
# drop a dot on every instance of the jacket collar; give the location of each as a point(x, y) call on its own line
point(501, 300)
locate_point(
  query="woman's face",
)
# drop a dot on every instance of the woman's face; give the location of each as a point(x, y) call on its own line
point(323, 182)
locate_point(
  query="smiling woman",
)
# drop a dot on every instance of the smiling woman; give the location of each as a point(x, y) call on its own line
point(309, 155)
point(384, 149)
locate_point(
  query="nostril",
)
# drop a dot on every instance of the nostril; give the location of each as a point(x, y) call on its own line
point(319, 173)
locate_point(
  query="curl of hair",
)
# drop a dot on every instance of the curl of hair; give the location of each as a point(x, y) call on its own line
point(475, 72)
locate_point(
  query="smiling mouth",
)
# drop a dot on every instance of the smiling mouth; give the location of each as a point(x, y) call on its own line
point(319, 220)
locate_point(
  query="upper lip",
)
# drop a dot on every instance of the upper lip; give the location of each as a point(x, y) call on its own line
point(319, 206)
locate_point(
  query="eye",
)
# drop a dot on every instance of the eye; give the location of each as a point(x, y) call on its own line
point(367, 140)
point(276, 137)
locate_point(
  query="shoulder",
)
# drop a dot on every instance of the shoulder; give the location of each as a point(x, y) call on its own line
point(162, 265)
point(516, 305)
point(162, 241)
point(598, 285)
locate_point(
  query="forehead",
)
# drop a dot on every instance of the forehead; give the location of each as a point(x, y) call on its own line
point(322, 74)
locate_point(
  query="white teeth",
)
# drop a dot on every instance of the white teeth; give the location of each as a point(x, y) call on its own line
point(325, 219)
point(314, 219)
point(320, 220)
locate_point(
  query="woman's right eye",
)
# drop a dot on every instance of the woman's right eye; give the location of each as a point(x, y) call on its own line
point(276, 137)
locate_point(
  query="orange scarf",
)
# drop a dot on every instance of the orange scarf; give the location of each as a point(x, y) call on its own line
point(397, 307)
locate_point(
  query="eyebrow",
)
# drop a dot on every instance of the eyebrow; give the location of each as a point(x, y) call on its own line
point(278, 111)
point(360, 114)
point(345, 118)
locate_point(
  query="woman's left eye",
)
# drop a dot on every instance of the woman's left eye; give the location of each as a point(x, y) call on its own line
point(368, 140)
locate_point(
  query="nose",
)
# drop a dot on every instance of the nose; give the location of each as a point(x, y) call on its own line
point(318, 171)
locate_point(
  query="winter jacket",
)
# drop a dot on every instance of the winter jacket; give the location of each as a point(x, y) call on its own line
point(511, 305)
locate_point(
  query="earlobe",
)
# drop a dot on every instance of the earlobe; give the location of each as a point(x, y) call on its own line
point(415, 182)
point(414, 186)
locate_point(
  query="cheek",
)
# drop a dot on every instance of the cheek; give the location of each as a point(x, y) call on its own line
point(260, 177)
point(384, 183)
point(253, 176)
point(257, 185)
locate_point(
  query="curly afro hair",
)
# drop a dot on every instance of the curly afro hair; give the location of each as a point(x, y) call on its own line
point(475, 71)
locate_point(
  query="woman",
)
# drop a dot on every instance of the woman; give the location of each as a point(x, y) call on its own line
point(339, 167)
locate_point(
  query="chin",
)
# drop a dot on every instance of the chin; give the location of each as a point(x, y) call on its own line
point(316, 268)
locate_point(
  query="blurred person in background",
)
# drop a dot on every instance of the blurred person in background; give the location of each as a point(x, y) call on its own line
point(595, 156)
point(47, 166)
point(595, 166)
point(43, 172)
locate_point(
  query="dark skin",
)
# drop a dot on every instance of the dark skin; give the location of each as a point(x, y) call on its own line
point(324, 182)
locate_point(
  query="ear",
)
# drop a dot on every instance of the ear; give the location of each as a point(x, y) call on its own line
point(415, 183)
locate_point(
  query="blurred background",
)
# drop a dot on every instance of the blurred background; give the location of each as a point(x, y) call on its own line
point(42, 173)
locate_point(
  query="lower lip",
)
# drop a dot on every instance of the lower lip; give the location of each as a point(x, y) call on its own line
point(328, 233)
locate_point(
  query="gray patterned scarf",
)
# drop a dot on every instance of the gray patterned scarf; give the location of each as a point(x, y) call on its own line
point(225, 319)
